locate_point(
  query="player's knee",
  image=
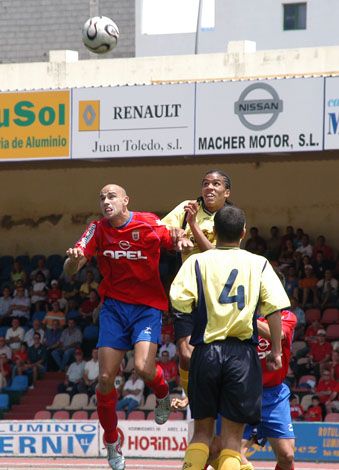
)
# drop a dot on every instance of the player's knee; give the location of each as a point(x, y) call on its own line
point(286, 458)
point(105, 380)
point(144, 370)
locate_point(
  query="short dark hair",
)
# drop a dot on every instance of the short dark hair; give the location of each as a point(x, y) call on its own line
point(229, 223)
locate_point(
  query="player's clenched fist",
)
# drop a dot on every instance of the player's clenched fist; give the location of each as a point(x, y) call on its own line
point(74, 253)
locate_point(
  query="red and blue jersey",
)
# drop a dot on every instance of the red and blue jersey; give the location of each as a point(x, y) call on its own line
point(272, 378)
point(128, 258)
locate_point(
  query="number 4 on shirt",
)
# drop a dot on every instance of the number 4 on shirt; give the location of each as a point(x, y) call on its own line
point(239, 298)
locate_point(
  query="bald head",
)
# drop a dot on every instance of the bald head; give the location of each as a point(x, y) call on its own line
point(113, 203)
point(113, 188)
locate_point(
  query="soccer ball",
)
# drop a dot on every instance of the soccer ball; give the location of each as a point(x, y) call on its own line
point(100, 34)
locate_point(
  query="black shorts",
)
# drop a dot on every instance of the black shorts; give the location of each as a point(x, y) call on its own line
point(183, 325)
point(225, 377)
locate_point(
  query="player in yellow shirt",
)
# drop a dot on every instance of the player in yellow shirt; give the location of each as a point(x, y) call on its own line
point(221, 289)
point(196, 218)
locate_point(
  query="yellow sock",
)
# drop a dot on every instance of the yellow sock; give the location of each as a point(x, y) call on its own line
point(229, 460)
point(214, 464)
point(248, 466)
point(196, 456)
point(183, 379)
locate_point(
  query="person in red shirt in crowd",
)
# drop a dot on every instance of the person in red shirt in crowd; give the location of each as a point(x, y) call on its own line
point(311, 332)
point(87, 308)
point(333, 365)
point(327, 390)
point(5, 370)
point(321, 350)
point(297, 412)
point(170, 369)
point(167, 325)
point(127, 246)
point(314, 411)
point(54, 293)
point(321, 246)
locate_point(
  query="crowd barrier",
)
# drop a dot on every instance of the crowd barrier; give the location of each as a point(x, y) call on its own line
point(52, 438)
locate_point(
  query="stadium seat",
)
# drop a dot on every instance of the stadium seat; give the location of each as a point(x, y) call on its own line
point(43, 414)
point(137, 415)
point(60, 400)
point(4, 402)
point(332, 332)
point(80, 414)
point(6, 261)
point(19, 384)
point(94, 415)
point(61, 414)
point(297, 345)
point(78, 402)
point(306, 401)
point(3, 330)
point(38, 315)
point(150, 403)
point(332, 418)
point(24, 260)
point(55, 265)
point(91, 333)
point(176, 415)
point(312, 314)
point(330, 316)
point(121, 415)
point(150, 416)
point(92, 404)
point(34, 261)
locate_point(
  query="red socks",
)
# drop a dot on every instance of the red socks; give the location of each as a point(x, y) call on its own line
point(158, 384)
point(107, 414)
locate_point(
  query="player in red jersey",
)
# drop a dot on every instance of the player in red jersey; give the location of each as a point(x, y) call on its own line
point(127, 246)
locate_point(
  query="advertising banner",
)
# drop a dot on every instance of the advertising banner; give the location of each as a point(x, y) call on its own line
point(331, 115)
point(259, 116)
point(34, 125)
point(138, 121)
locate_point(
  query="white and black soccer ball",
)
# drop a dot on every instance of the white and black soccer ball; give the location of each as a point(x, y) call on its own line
point(100, 34)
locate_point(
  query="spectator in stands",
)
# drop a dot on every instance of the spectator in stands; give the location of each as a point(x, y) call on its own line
point(87, 308)
point(5, 304)
point(256, 244)
point(90, 377)
point(20, 306)
point(306, 247)
point(73, 375)
point(327, 390)
point(37, 356)
point(5, 370)
point(70, 289)
point(314, 411)
point(15, 335)
point(333, 365)
point(119, 382)
point(18, 273)
point(54, 292)
point(29, 335)
point(311, 332)
point(291, 282)
point(286, 257)
point(54, 314)
point(328, 290)
point(321, 350)
point(90, 266)
point(167, 325)
point(170, 369)
point(274, 244)
point(41, 267)
point(289, 235)
point(301, 319)
point(20, 359)
point(38, 292)
point(167, 345)
point(52, 341)
point(320, 265)
point(132, 393)
point(297, 242)
point(89, 285)
point(70, 340)
point(4, 349)
point(308, 288)
point(297, 413)
point(20, 284)
point(320, 246)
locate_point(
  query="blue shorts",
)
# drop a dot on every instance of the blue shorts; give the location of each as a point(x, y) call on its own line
point(275, 416)
point(122, 325)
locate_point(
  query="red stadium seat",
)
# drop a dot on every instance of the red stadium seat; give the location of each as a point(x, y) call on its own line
point(121, 414)
point(150, 416)
point(138, 414)
point(61, 414)
point(43, 414)
point(94, 415)
point(332, 332)
point(332, 418)
point(330, 316)
point(176, 415)
point(80, 414)
point(312, 314)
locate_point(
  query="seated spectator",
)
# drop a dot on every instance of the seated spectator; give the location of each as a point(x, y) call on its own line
point(304, 264)
point(167, 345)
point(70, 289)
point(36, 364)
point(297, 413)
point(321, 350)
point(170, 369)
point(89, 266)
point(20, 306)
point(311, 332)
point(320, 265)
point(308, 288)
point(167, 325)
point(73, 375)
point(333, 365)
point(15, 335)
point(70, 340)
point(328, 290)
point(54, 293)
point(89, 285)
point(87, 308)
point(274, 244)
point(306, 247)
point(73, 309)
point(41, 267)
point(286, 257)
point(255, 244)
point(321, 246)
point(20, 284)
point(301, 319)
point(52, 341)
point(18, 273)
point(119, 382)
point(38, 292)
point(314, 411)
point(54, 314)
point(5, 306)
point(5, 371)
point(132, 393)
point(289, 235)
point(297, 242)
point(4, 349)
point(20, 359)
point(291, 282)
point(29, 335)
point(327, 390)
point(91, 374)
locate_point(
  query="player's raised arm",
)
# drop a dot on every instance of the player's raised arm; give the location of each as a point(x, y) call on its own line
point(75, 261)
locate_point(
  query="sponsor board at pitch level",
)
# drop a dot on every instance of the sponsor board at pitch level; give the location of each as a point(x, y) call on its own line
point(34, 125)
point(264, 117)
